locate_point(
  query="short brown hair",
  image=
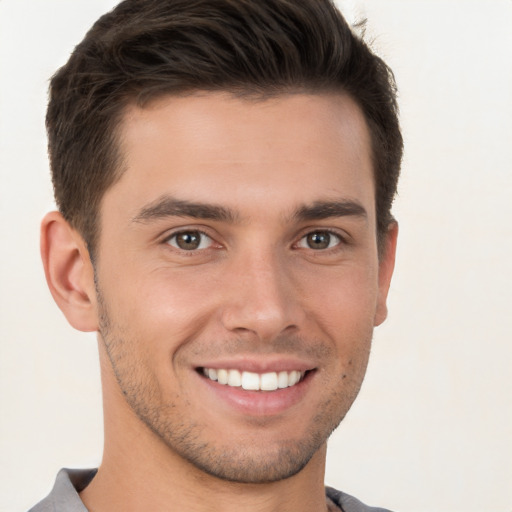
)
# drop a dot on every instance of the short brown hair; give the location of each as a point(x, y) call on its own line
point(143, 49)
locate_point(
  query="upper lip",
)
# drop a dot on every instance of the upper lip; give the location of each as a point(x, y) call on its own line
point(260, 364)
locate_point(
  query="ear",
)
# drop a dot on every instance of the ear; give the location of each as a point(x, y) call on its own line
point(69, 272)
point(386, 267)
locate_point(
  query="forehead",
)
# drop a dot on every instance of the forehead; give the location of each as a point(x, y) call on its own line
point(288, 150)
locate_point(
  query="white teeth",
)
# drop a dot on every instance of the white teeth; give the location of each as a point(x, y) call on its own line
point(222, 376)
point(268, 381)
point(282, 380)
point(234, 378)
point(251, 381)
point(293, 378)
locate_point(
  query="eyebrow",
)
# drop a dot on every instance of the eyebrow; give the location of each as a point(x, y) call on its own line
point(325, 209)
point(167, 206)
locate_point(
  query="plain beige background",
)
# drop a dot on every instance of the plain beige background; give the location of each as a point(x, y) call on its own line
point(432, 427)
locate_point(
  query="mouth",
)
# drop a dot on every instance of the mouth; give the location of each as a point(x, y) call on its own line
point(252, 381)
point(257, 388)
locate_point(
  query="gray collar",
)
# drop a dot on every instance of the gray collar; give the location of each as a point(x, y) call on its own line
point(64, 496)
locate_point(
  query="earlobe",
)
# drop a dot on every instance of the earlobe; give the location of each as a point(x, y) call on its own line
point(69, 272)
point(386, 267)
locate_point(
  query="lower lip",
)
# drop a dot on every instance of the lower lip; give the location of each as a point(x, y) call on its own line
point(259, 403)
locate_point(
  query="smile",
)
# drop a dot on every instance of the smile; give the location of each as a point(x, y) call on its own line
point(251, 381)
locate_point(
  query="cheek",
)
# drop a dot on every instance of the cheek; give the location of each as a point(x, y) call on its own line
point(165, 307)
point(344, 300)
point(161, 307)
point(344, 311)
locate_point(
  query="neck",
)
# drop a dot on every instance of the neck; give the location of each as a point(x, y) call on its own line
point(149, 486)
point(140, 472)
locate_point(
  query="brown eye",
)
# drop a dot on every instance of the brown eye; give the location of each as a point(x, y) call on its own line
point(319, 240)
point(190, 240)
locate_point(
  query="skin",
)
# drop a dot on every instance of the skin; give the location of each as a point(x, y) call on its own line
point(255, 183)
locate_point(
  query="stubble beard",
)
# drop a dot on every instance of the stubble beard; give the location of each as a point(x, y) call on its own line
point(244, 461)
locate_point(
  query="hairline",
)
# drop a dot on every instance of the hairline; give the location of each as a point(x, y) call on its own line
point(245, 93)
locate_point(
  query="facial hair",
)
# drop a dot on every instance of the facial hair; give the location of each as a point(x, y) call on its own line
point(246, 458)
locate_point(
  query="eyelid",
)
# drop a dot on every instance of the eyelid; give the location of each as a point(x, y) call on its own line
point(170, 234)
point(204, 239)
point(343, 238)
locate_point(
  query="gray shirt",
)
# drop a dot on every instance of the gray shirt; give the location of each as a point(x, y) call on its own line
point(64, 495)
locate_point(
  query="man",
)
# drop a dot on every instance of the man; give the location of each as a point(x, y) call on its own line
point(224, 172)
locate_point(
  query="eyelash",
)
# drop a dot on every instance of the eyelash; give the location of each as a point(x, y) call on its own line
point(199, 232)
point(340, 240)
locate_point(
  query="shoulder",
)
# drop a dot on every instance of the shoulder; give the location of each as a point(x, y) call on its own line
point(348, 503)
point(64, 495)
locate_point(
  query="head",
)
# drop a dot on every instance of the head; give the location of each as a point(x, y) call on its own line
point(145, 49)
point(226, 170)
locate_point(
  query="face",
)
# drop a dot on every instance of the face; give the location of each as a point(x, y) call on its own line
point(238, 277)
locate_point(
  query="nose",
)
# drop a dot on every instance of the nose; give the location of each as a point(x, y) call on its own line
point(262, 297)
